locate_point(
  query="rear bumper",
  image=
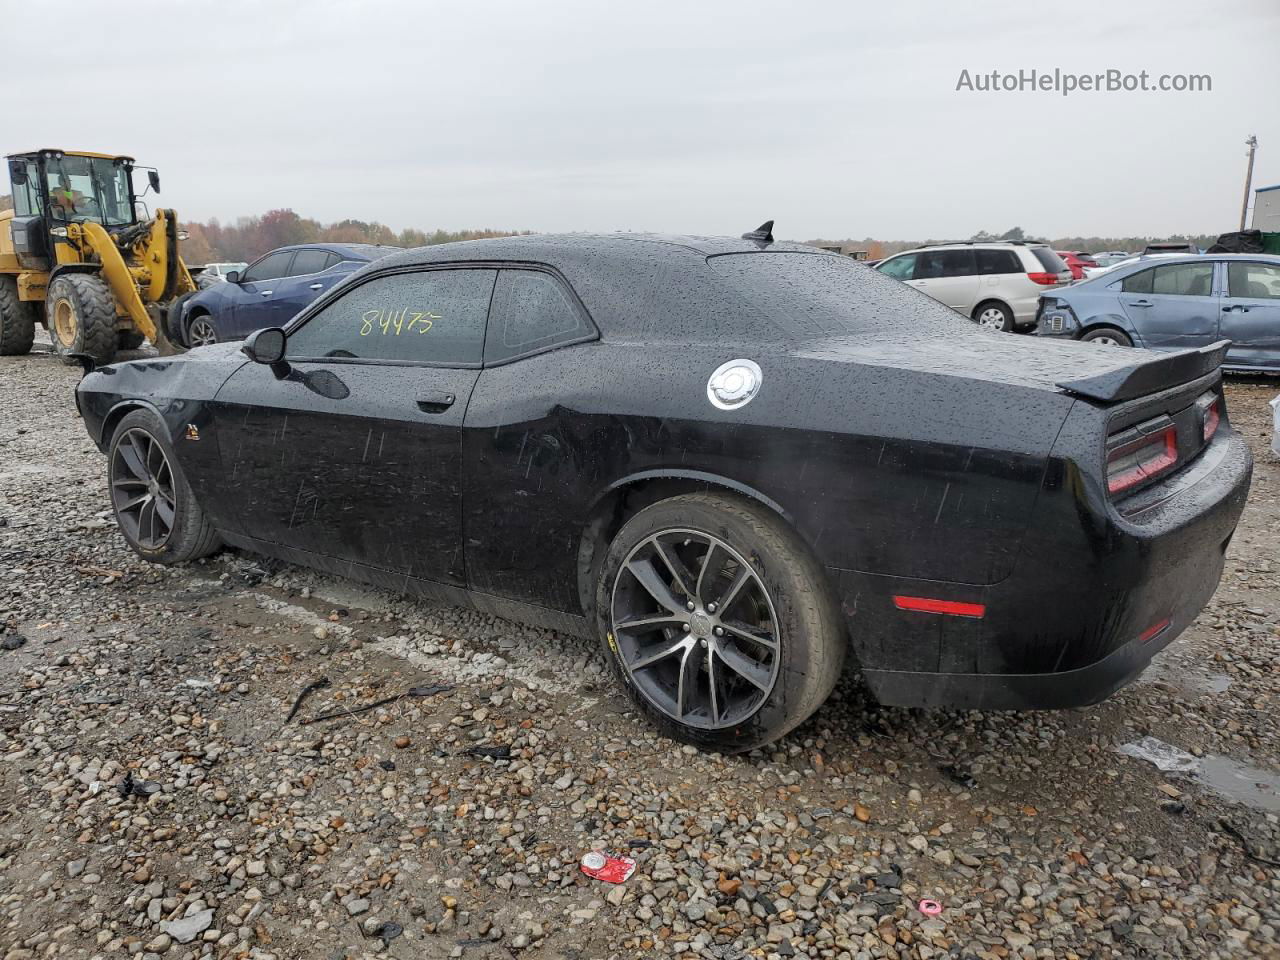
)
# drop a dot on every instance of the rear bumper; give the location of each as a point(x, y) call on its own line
point(1094, 595)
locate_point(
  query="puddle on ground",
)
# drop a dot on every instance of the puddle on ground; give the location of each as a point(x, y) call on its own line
point(1228, 778)
point(1193, 680)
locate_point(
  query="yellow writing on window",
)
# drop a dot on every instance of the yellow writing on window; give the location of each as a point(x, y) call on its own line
point(395, 322)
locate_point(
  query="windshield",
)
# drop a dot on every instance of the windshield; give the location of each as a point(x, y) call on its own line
point(89, 188)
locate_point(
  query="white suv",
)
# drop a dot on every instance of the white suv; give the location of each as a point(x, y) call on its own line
point(996, 284)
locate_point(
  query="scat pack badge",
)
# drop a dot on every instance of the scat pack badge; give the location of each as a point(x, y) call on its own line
point(193, 432)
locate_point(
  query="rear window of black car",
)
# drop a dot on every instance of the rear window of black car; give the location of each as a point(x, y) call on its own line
point(804, 295)
point(427, 316)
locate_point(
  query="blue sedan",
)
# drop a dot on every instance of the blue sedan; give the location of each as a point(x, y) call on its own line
point(268, 292)
point(1174, 302)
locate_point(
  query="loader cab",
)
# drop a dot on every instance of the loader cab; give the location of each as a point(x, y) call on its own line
point(52, 188)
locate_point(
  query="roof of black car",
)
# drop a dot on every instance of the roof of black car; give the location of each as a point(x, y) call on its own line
point(539, 247)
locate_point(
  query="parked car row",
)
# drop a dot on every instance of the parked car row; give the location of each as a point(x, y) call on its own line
point(997, 284)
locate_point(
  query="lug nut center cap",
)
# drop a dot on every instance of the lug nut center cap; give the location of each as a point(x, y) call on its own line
point(701, 623)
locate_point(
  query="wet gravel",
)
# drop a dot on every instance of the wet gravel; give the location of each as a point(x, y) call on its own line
point(159, 802)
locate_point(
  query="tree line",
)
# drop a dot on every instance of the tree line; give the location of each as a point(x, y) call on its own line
point(250, 237)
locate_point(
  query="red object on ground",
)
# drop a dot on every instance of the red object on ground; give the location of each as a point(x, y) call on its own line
point(607, 868)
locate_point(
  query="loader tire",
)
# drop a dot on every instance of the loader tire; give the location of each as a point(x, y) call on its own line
point(130, 340)
point(17, 320)
point(81, 313)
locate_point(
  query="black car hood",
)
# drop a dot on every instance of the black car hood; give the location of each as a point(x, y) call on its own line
point(1106, 374)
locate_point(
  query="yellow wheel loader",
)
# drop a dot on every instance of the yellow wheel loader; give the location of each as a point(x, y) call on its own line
point(76, 256)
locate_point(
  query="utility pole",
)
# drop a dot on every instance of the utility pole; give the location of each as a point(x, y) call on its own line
point(1252, 144)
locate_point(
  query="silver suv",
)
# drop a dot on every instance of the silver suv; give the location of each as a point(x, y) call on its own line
point(997, 284)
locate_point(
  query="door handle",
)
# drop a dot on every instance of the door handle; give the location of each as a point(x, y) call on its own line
point(1236, 306)
point(435, 402)
point(266, 293)
point(316, 286)
point(1141, 303)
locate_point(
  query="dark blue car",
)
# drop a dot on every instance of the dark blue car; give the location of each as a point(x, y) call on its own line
point(269, 291)
point(1174, 302)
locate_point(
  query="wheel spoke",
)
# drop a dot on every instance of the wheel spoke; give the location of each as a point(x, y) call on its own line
point(679, 571)
point(744, 574)
point(131, 457)
point(746, 633)
point(147, 521)
point(711, 684)
point(686, 683)
point(165, 511)
point(703, 581)
point(641, 623)
point(649, 659)
point(126, 482)
point(141, 498)
point(654, 585)
point(757, 674)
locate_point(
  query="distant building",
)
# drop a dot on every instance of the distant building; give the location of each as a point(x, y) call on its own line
point(1266, 209)
point(839, 248)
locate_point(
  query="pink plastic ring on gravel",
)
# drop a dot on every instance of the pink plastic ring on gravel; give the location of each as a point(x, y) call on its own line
point(930, 908)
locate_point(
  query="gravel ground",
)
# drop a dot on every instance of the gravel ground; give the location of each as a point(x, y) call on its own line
point(163, 803)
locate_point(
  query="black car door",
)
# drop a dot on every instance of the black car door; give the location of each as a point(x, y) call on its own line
point(352, 447)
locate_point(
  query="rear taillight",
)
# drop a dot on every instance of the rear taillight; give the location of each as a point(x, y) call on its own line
point(1044, 279)
point(1210, 417)
point(1140, 459)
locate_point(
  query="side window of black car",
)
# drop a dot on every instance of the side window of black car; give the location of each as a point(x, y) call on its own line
point(532, 311)
point(270, 267)
point(1138, 282)
point(425, 316)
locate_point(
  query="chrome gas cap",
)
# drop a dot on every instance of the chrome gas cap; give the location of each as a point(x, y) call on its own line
point(734, 384)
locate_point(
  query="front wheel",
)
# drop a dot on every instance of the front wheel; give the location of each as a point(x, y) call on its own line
point(81, 315)
point(152, 501)
point(718, 621)
point(1107, 337)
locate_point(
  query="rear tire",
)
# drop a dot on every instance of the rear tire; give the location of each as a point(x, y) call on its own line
point(81, 314)
point(993, 316)
point(1107, 337)
point(756, 661)
point(151, 499)
point(17, 320)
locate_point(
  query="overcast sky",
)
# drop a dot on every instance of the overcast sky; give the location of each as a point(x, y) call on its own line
point(839, 119)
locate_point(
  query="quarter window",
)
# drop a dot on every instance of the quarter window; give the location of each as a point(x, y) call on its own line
point(1183, 279)
point(428, 316)
point(271, 267)
point(1257, 281)
point(900, 268)
point(531, 311)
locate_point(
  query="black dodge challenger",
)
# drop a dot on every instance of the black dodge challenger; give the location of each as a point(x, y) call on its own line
point(734, 462)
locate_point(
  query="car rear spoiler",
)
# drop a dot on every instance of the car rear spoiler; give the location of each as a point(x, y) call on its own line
point(1150, 375)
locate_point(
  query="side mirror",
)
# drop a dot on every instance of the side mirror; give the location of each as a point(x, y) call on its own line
point(265, 346)
point(17, 172)
point(153, 178)
point(233, 276)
